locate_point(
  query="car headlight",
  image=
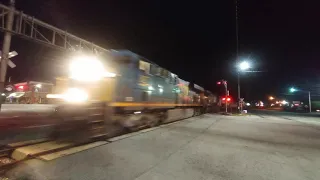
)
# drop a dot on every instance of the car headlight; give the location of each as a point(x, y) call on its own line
point(75, 95)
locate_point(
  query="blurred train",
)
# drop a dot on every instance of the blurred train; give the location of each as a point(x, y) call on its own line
point(126, 83)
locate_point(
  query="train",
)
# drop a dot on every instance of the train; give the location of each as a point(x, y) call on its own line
point(129, 81)
point(126, 85)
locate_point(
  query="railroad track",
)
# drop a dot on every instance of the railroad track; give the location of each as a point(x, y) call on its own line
point(9, 159)
point(95, 134)
point(5, 152)
point(14, 153)
point(48, 146)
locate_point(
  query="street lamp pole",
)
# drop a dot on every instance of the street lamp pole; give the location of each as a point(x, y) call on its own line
point(237, 51)
point(309, 101)
point(239, 89)
point(242, 67)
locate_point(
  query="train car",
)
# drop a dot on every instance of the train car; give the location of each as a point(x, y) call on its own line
point(144, 84)
point(211, 101)
point(183, 92)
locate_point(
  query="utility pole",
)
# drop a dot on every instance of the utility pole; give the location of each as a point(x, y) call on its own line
point(237, 54)
point(309, 101)
point(239, 96)
point(6, 47)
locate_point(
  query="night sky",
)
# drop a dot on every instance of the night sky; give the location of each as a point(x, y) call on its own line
point(194, 39)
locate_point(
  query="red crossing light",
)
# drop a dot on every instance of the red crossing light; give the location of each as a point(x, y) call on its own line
point(227, 98)
point(219, 82)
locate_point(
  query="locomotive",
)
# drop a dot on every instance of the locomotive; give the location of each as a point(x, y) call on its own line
point(127, 84)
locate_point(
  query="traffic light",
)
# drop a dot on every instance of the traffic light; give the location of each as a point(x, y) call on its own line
point(219, 82)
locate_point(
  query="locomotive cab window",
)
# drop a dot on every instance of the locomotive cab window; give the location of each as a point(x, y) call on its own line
point(164, 73)
point(172, 78)
point(123, 60)
point(154, 70)
point(144, 66)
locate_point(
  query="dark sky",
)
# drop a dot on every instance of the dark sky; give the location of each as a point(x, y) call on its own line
point(194, 39)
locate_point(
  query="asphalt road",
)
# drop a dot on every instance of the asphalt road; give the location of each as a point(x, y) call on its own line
point(306, 118)
point(207, 147)
point(279, 112)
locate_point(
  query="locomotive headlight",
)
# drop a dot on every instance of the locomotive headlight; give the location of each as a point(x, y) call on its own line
point(109, 74)
point(86, 68)
point(75, 95)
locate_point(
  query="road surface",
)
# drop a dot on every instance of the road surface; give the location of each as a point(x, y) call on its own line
point(280, 112)
point(308, 118)
point(208, 147)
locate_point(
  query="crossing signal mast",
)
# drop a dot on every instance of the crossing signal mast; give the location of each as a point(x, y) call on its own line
point(6, 46)
point(226, 99)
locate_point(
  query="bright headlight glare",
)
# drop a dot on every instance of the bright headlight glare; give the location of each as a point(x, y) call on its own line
point(75, 95)
point(86, 68)
point(109, 74)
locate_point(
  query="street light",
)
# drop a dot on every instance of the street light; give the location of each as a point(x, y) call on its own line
point(88, 69)
point(292, 90)
point(271, 98)
point(244, 65)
